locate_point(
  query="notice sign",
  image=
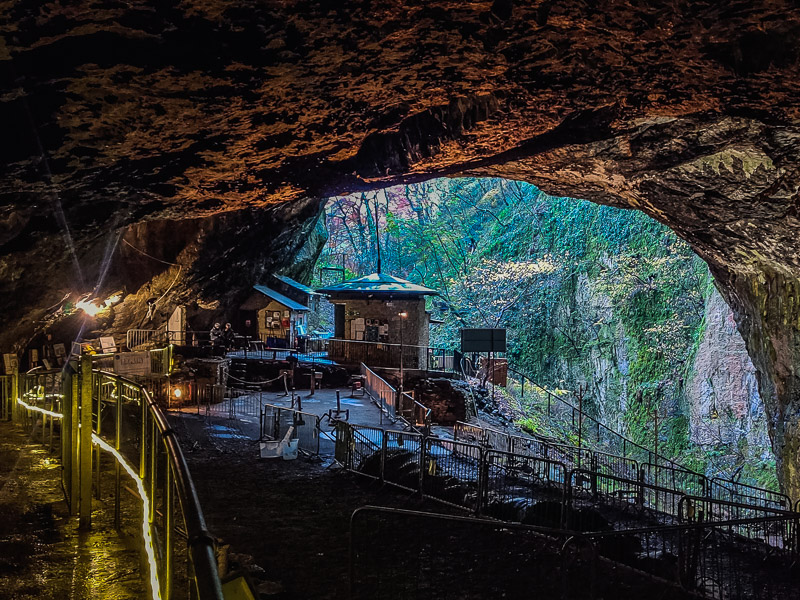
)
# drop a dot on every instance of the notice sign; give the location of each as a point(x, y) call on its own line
point(11, 363)
point(132, 363)
point(107, 344)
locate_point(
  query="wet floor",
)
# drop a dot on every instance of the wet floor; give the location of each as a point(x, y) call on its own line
point(43, 555)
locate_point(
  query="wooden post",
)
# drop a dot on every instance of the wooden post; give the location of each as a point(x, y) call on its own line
point(74, 442)
point(85, 444)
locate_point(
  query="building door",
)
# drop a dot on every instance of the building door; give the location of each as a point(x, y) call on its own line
point(338, 321)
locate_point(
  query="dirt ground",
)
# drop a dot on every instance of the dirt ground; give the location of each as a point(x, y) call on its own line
point(286, 522)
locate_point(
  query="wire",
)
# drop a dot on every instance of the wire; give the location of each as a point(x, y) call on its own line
point(282, 375)
point(142, 252)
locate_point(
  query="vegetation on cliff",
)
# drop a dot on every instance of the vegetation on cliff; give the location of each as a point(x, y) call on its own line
point(592, 296)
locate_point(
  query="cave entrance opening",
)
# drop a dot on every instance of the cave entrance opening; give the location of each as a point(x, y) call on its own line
point(594, 298)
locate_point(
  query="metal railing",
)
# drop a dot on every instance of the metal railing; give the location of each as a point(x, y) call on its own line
point(659, 477)
point(397, 554)
point(591, 431)
point(379, 354)
point(588, 428)
point(275, 422)
point(384, 395)
point(8, 396)
point(117, 415)
point(476, 477)
point(135, 338)
point(733, 491)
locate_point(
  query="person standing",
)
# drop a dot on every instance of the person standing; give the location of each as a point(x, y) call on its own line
point(228, 337)
point(216, 335)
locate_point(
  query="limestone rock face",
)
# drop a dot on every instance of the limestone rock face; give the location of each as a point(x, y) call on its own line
point(724, 404)
point(117, 113)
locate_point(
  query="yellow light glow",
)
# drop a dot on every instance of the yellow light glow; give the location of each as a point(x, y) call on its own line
point(403, 314)
point(155, 588)
point(92, 307)
point(148, 539)
point(44, 411)
point(87, 307)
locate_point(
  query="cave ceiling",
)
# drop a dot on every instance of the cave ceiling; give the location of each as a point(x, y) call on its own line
point(234, 118)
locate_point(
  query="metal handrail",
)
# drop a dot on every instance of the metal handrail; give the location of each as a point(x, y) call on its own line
point(653, 458)
point(200, 543)
point(376, 387)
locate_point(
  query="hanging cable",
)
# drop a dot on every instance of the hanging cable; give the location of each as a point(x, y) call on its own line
point(151, 305)
point(143, 253)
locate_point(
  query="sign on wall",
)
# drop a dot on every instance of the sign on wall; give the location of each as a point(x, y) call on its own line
point(483, 340)
point(11, 363)
point(132, 363)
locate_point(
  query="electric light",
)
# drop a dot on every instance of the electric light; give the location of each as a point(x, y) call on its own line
point(91, 307)
point(177, 392)
point(402, 315)
point(87, 307)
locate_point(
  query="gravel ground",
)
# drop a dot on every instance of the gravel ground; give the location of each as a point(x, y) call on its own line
point(284, 523)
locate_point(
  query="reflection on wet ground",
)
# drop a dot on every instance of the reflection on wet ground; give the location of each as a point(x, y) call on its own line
point(43, 555)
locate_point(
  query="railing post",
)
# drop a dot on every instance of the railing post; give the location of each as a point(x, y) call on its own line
point(98, 389)
point(423, 448)
point(117, 445)
point(143, 439)
point(85, 444)
point(383, 456)
point(483, 481)
point(14, 394)
point(153, 465)
point(169, 506)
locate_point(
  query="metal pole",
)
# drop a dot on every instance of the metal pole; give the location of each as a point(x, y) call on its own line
point(169, 506)
point(14, 394)
point(143, 439)
point(85, 444)
point(99, 387)
point(74, 444)
point(153, 465)
point(402, 320)
point(117, 445)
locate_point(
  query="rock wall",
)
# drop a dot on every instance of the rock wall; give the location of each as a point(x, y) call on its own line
point(722, 390)
point(117, 113)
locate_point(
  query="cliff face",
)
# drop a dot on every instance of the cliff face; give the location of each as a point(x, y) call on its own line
point(725, 407)
point(118, 113)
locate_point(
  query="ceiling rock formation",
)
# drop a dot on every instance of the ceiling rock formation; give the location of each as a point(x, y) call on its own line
point(237, 114)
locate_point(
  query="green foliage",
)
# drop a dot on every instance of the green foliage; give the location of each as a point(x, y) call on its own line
point(587, 292)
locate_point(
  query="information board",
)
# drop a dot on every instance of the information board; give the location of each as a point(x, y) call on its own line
point(483, 340)
point(132, 363)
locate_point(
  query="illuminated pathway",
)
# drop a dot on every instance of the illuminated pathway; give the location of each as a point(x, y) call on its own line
point(42, 553)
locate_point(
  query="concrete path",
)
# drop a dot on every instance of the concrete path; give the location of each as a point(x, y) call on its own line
point(240, 417)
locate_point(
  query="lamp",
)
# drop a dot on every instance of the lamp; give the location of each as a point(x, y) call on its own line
point(403, 316)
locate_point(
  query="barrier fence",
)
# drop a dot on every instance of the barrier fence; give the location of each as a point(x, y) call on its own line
point(275, 422)
point(541, 485)
point(94, 412)
point(588, 429)
point(380, 391)
point(398, 554)
point(665, 476)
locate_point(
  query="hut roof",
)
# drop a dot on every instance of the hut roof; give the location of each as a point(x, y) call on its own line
point(287, 302)
point(378, 283)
